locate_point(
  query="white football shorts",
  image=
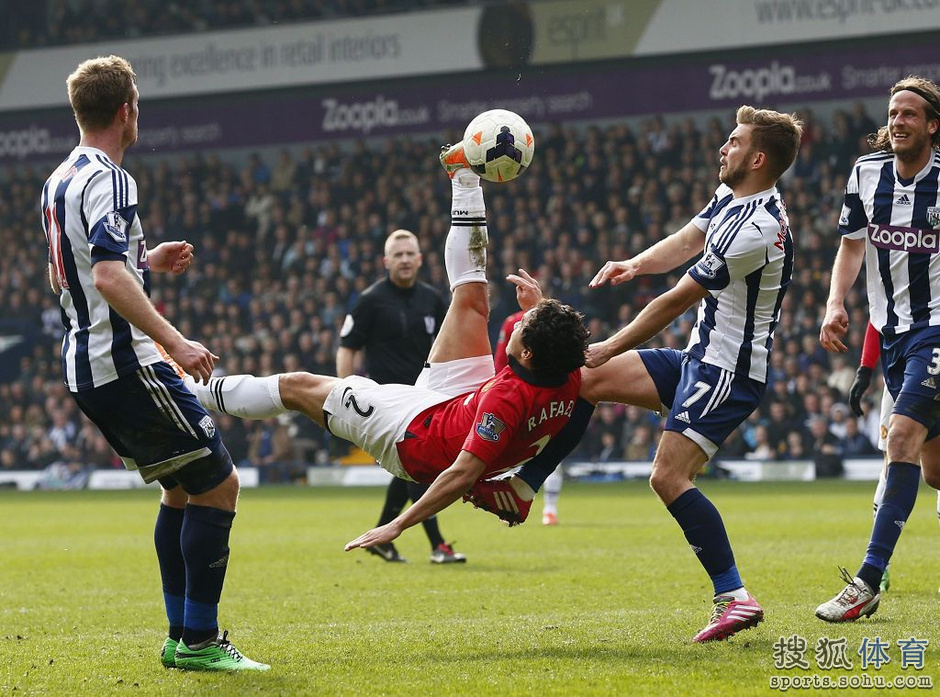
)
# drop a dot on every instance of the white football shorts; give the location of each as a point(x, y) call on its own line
point(375, 417)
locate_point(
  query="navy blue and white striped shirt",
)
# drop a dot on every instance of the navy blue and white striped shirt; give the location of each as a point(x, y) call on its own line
point(746, 266)
point(89, 214)
point(901, 221)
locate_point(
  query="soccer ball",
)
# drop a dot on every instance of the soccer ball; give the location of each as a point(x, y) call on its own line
point(498, 145)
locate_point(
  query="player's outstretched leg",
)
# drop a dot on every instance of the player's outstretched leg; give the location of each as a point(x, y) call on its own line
point(242, 396)
point(464, 332)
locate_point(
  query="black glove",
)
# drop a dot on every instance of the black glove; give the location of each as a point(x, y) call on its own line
point(859, 388)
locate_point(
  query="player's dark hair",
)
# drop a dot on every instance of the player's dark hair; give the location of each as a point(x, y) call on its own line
point(775, 134)
point(98, 88)
point(921, 86)
point(556, 336)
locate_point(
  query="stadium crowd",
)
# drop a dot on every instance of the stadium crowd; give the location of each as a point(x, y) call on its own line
point(58, 22)
point(286, 242)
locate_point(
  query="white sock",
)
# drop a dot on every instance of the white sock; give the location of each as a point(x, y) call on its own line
point(244, 396)
point(739, 594)
point(880, 490)
point(523, 490)
point(553, 490)
point(465, 248)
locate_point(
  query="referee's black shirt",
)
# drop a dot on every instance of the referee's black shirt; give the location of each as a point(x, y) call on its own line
point(395, 328)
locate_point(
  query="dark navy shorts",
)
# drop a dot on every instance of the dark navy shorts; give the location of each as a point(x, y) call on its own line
point(705, 403)
point(159, 428)
point(911, 366)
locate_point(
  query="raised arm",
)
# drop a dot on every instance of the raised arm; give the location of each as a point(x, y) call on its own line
point(663, 256)
point(653, 319)
point(449, 486)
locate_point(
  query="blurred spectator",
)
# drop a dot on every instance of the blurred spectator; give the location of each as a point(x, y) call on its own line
point(854, 443)
point(641, 445)
point(55, 22)
point(825, 448)
point(762, 449)
point(795, 447)
point(271, 450)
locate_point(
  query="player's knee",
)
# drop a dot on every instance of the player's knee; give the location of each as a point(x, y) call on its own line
point(224, 495)
point(295, 388)
point(660, 482)
point(175, 497)
point(904, 443)
point(210, 480)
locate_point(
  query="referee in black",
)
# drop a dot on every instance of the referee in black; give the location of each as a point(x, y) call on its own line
point(392, 327)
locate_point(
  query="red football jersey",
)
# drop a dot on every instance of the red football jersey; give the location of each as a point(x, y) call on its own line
point(499, 355)
point(504, 423)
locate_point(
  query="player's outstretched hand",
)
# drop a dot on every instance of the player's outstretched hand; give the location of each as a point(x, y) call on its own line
point(597, 355)
point(171, 257)
point(614, 272)
point(834, 327)
point(377, 536)
point(194, 358)
point(528, 290)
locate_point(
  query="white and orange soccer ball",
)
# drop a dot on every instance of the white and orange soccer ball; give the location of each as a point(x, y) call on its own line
point(499, 145)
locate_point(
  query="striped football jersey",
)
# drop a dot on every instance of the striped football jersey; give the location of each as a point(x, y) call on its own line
point(901, 221)
point(89, 214)
point(746, 266)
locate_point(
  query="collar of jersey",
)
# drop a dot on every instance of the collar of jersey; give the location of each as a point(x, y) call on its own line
point(920, 175)
point(88, 148)
point(766, 193)
point(551, 380)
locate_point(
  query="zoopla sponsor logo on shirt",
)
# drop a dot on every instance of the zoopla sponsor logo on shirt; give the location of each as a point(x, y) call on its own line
point(758, 83)
point(365, 116)
point(904, 239)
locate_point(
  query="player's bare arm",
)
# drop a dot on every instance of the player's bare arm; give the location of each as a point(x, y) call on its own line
point(171, 257)
point(125, 295)
point(450, 485)
point(653, 319)
point(844, 272)
point(663, 256)
point(348, 361)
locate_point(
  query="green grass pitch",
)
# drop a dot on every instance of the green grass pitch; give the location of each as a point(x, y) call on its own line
point(604, 604)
